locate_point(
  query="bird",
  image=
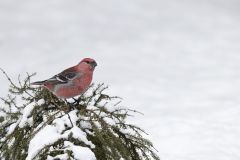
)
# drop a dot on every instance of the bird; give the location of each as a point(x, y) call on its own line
point(72, 81)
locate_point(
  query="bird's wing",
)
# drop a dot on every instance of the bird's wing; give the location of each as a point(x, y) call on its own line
point(63, 77)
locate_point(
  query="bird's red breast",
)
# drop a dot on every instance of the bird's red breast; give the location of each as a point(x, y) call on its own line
point(76, 87)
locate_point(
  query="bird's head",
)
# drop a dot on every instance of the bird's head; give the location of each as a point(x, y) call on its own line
point(89, 62)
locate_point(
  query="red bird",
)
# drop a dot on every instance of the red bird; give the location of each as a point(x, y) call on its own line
point(72, 81)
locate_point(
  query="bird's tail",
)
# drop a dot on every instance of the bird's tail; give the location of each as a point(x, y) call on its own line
point(38, 83)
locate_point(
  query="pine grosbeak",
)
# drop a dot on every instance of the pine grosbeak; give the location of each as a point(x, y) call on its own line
point(72, 81)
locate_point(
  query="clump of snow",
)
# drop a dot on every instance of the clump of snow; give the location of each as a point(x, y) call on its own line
point(85, 124)
point(80, 153)
point(98, 125)
point(48, 135)
point(79, 134)
point(61, 156)
point(92, 107)
point(64, 121)
point(109, 120)
point(11, 142)
point(12, 128)
point(25, 115)
point(40, 102)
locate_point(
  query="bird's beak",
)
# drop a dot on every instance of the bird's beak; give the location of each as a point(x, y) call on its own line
point(93, 64)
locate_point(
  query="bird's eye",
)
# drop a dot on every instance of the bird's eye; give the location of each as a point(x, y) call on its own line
point(87, 62)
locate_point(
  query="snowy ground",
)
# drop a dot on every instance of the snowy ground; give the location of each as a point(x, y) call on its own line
point(176, 61)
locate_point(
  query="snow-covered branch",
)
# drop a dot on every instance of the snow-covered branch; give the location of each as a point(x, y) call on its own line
point(34, 124)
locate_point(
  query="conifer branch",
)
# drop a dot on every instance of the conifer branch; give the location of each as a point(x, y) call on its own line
point(95, 114)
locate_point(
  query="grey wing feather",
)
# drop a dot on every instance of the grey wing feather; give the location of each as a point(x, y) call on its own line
point(63, 77)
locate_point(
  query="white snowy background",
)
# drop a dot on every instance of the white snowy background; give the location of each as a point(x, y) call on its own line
point(176, 61)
